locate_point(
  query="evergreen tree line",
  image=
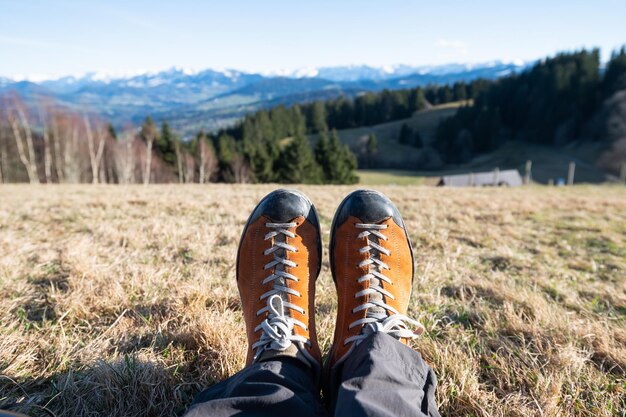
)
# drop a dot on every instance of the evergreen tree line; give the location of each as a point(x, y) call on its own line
point(370, 108)
point(551, 103)
point(273, 146)
point(367, 109)
point(272, 143)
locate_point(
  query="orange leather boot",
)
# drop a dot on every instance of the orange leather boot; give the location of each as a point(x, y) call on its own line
point(278, 262)
point(371, 259)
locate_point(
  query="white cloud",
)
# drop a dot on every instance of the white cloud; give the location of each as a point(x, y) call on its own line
point(11, 40)
point(451, 43)
point(454, 49)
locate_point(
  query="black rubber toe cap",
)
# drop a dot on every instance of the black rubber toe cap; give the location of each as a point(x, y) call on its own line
point(282, 206)
point(369, 206)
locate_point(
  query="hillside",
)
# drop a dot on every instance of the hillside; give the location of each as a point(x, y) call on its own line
point(122, 301)
point(391, 153)
point(565, 100)
point(549, 162)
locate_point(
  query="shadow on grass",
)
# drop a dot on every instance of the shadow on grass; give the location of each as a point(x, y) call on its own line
point(125, 387)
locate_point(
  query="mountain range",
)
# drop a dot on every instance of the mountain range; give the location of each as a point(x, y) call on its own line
point(210, 99)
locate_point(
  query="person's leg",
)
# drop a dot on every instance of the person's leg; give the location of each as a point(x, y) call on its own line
point(278, 262)
point(370, 369)
point(282, 387)
point(383, 377)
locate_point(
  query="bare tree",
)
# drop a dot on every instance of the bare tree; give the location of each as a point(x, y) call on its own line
point(208, 160)
point(190, 168)
point(95, 156)
point(72, 167)
point(149, 133)
point(179, 161)
point(47, 160)
point(56, 143)
point(3, 152)
point(129, 156)
point(78, 147)
point(27, 155)
point(240, 170)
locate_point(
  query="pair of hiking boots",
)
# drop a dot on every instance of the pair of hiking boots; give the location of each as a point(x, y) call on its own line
point(279, 259)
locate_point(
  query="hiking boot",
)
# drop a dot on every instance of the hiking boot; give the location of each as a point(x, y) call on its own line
point(278, 261)
point(371, 260)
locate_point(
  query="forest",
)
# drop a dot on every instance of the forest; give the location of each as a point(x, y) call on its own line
point(48, 143)
point(558, 101)
point(554, 102)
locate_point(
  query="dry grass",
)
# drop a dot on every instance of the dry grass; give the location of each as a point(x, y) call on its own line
point(122, 301)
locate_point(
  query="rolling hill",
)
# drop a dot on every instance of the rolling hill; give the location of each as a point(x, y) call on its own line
point(391, 153)
point(401, 164)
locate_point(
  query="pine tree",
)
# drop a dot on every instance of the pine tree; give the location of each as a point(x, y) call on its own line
point(459, 91)
point(417, 140)
point(227, 150)
point(615, 74)
point(318, 117)
point(371, 149)
point(112, 132)
point(297, 164)
point(321, 150)
point(419, 100)
point(372, 144)
point(336, 160)
point(406, 134)
point(166, 144)
point(444, 94)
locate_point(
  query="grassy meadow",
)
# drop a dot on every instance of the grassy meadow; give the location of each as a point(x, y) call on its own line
point(122, 301)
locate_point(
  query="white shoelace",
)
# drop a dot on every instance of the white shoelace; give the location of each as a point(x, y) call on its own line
point(278, 327)
point(378, 318)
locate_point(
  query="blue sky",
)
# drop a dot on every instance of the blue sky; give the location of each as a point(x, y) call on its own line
point(56, 37)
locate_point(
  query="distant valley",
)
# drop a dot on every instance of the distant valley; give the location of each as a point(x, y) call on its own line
point(212, 99)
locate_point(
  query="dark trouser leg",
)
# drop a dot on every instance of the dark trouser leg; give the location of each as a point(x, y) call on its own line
point(283, 387)
point(383, 377)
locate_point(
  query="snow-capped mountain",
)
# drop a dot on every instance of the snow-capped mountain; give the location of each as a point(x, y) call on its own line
point(190, 99)
point(146, 79)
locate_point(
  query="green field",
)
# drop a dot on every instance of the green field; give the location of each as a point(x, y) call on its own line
point(389, 177)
